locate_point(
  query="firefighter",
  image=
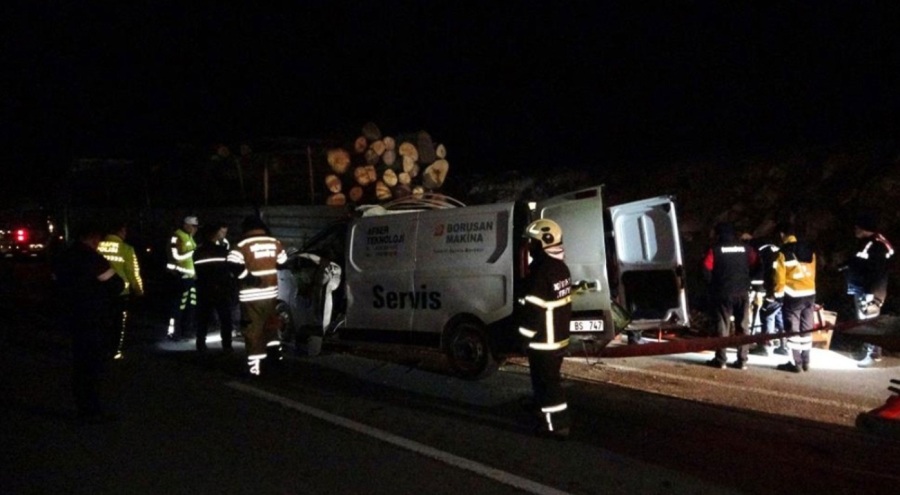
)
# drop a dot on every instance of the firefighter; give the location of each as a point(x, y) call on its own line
point(124, 261)
point(181, 266)
point(254, 261)
point(545, 324)
point(867, 277)
point(795, 286)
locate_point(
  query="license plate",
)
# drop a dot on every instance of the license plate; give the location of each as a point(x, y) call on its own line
point(586, 326)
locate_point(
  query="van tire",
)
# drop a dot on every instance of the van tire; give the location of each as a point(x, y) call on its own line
point(468, 350)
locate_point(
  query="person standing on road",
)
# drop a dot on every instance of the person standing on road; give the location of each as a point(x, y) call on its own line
point(767, 311)
point(726, 268)
point(867, 277)
point(545, 323)
point(216, 289)
point(255, 261)
point(795, 286)
point(124, 261)
point(181, 266)
point(87, 286)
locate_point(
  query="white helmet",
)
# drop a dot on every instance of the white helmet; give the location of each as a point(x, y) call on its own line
point(546, 231)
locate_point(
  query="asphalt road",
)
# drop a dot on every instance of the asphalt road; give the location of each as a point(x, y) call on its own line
point(378, 421)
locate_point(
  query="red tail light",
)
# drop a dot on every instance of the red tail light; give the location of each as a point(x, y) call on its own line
point(21, 235)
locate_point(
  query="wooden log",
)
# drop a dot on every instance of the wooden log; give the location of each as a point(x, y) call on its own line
point(402, 191)
point(333, 183)
point(371, 131)
point(425, 147)
point(361, 175)
point(356, 193)
point(410, 166)
point(382, 191)
point(409, 149)
point(360, 144)
point(338, 159)
point(418, 191)
point(389, 158)
point(371, 156)
point(440, 151)
point(336, 199)
point(378, 147)
point(389, 177)
point(389, 143)
point(404, 178)
point(435, 174)
point(372, 173)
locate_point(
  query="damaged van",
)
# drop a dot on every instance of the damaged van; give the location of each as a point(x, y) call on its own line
point(448, 276)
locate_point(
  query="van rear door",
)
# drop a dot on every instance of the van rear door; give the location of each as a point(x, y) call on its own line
point(580, 215)
point(650, 263)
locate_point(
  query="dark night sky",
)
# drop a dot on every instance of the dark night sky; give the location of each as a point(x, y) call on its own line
point(511, 85)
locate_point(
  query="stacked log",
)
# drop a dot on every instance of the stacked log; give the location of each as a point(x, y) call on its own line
point(376, 168)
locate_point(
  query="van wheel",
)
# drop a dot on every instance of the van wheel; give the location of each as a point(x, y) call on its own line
point(469, 351)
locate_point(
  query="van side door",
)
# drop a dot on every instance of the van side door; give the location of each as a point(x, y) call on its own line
point(580, 215)
point(651, 281)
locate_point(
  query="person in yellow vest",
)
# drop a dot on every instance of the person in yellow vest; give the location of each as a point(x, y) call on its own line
point(123, 259)
point(795, 285)
point(181, 265)
point(254, 261)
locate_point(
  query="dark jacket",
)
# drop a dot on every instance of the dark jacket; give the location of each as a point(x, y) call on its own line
point(214, 279)
point(727, 266)
point(869, 267)
point(548, 288)
point(83, 297)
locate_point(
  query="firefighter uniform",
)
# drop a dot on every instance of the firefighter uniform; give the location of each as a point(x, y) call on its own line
point(122, 258)
point(181, 265)
point(545, 324)
point(795, 282)
point(254, 260)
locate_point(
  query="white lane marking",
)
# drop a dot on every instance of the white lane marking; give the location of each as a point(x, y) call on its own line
point(762, 391)
point(422, 449)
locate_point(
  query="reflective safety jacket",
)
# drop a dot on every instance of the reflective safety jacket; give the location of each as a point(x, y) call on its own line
point(795, 269)
point(255, 260)
point(869, 267)
point(547, 304)
point(181, 254)
point(124, 261)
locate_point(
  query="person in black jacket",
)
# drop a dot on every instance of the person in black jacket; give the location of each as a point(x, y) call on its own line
point(545, 324)
point(87, 285)
point(867, 276)
point(216, 287)
point(726, 268)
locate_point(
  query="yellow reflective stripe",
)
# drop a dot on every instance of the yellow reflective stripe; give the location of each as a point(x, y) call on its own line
point(209, 260)
point(526, 332)
point(556, 408)
point(260, 273)
point(551, 346)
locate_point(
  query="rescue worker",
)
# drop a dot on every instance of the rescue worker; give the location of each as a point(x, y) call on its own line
point(767, 312)
point(545, 324)
point(87, 286)
point(795, 285)
point(867, 277)
point(726, 268)
point(254, 261)
point(216, 291)
point(181, 266)
point(124, 261)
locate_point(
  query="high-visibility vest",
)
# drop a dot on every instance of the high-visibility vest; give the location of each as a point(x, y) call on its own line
point(181, 254)
point(124, 261)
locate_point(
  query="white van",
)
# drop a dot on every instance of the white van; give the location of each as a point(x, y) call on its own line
point(449, 277)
